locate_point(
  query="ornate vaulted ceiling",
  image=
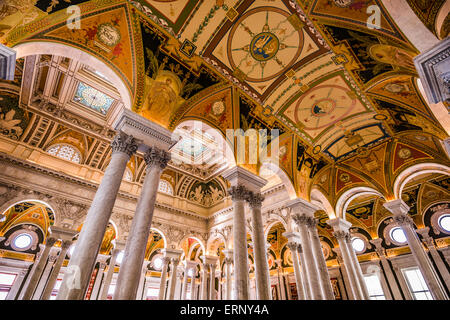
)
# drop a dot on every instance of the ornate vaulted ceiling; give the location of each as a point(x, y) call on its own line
point(344, 96)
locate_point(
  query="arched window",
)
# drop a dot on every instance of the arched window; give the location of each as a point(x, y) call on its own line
point(165, 187)
point(66, 152)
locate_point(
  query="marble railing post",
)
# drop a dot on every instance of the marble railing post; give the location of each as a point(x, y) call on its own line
point(293, 245)
point(261, 265)
point(311, 268)
point(241, 181)
point(45, 274)
point(400, 211)
point(173, 278)
point(429, 241)
point(163, 284)
point(36, 274)
point(341, 234)
point(56, 268)
point(228, 264)
point(133, 258)
point(324, 277)
point(387, 269)
point(82, 261)
point(110, 273)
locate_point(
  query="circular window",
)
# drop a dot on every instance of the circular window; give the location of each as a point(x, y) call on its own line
point(358, 245)
point(444, 222)
point(119, 257)
point(398, 235)
point(23, 241)
point(157, 263)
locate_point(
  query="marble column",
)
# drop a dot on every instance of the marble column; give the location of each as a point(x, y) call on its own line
point(400, 211)
point(357, 267)
point(305, 280)
point(204, 283)
point(242, 181)
point(133, 258)
point(324, 277)
point(185, 281)
point(99, 278)
point(280, 282)
point(173, 278)
point(238, 196)
point(302, 221)
point(212, 282)
point(142, 280)
point(82, 261)
point(163, 284)
point(194, 272)
point(36, 274)
point(345, 274)
point(341, 234)
point(110, 273)
point(259, 244)
point(396, 293)
point(429, 241)
point(12, 294)
point(228, 263)
point(34, 264)
point(56, 268)
point(293, 245)
point(45, 274)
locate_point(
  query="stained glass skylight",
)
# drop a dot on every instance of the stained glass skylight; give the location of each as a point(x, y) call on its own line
point(92, 98)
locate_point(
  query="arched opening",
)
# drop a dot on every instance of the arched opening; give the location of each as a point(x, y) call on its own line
point(347, 197)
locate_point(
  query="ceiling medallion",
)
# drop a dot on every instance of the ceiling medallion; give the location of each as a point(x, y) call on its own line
point(108, 34)
point(264, 43)
point(264, 46)
point(404, 153)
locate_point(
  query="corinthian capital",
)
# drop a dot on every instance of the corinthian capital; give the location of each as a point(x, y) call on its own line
point(238, 192)
point(293, 246)
point(341, 235)
point(156, 156)
point(255, 199)
point(301, 219)
point(403, 220)
point(124, 143)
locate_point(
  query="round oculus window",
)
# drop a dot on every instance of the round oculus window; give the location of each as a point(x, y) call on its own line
point(23, 241)
point(398, 235)
point(444, 222)
point(358, 245)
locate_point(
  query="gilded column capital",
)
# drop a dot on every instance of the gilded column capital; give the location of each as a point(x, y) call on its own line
point(124, 143)
point(156, 156)
point(238, 192)
point(255, 199)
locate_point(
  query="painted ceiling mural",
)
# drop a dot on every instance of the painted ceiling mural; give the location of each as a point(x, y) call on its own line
point(343, 96)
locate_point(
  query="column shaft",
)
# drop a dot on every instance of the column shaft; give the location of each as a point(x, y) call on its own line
point(185, 284)
point(212, 282)
point(109, 275)
point(240, 244)
point(163, 284)
point(351, 274)
point(324, 277)
point(45, 275)
point(297, 273)
point(36, 274)
point(55, 272)
point(173, 279)
point(82, 261)
point(128, 280)
point(261, 264)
